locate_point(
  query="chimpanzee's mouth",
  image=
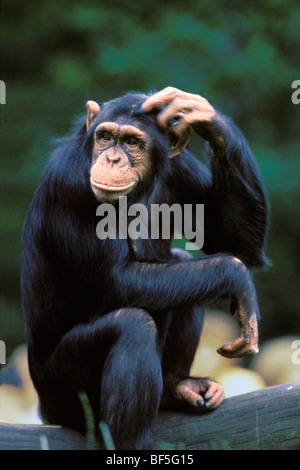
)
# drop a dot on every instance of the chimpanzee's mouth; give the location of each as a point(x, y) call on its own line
point(109, 187)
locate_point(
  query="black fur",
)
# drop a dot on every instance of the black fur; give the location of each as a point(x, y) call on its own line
point(117, 324)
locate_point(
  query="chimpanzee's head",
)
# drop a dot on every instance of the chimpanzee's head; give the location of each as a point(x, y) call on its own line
point(128, 147)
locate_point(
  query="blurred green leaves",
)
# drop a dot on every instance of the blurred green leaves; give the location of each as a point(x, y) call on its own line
point(243, 56)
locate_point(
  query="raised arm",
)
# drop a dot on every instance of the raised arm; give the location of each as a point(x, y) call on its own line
point(236, 208)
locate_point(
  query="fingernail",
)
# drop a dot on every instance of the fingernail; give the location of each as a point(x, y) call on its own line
point(209, 405)
point(200, 402)
point(208, 397)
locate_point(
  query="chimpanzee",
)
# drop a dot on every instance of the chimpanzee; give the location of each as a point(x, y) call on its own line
point(119, 319)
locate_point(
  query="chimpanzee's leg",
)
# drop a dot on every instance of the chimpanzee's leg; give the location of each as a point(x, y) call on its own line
point(115, 360)
point(178, 352)
point(132, 380)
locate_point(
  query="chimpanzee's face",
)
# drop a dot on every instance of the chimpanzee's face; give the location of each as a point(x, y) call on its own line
point(121, 159)
point(125, 141)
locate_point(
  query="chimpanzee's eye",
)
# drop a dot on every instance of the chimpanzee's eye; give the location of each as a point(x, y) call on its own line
point(105, 136)
point(131, 141)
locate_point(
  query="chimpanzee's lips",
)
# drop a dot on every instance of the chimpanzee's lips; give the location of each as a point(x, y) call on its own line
point(109, 187)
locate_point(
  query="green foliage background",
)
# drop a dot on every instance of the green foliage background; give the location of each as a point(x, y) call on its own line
point(243, 56)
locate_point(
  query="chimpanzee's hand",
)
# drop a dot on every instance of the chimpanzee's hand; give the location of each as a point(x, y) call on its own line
point(184, 110)
point(247, 343)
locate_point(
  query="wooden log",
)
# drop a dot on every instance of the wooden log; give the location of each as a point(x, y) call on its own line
point(267, 419)
point(40, 437)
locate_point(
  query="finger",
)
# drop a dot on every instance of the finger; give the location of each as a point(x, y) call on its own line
point(190, 111)
point(177, 108)
point(238, 348)
point(186, 394)
point(216, 400)
point(210, 389)
point(166, 96)
point(236, 344)
point(197, 116)
point(231, 350)
point(161, 98)
point(213, 393)
point(244, 352)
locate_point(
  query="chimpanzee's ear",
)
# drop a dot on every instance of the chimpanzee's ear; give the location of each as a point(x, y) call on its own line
point(93, 109)
point(178, 143)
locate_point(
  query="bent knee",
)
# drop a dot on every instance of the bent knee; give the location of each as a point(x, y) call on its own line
point(237, 262)
point(135, 321)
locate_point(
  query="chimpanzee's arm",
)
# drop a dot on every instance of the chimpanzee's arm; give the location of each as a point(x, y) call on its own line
point(239, 193)
point(235, 204)
point(236, 212)
point(159, 286)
